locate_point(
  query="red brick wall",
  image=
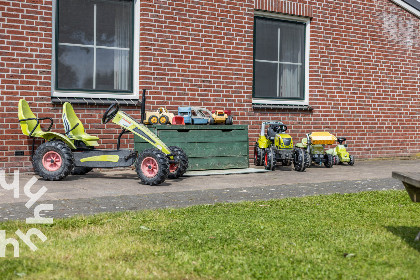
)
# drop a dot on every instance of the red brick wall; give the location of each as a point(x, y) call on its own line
point(364, 69)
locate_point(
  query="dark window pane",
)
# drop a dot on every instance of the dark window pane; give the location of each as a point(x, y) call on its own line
point(291, 81)
point(113, 24)
point(266, 40)
point(74, 67)
point(265, 79)
point(113, 70)
point(75, 22)
point(291, 42)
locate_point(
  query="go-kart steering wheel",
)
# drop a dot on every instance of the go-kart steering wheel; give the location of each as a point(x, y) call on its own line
point(110, 113)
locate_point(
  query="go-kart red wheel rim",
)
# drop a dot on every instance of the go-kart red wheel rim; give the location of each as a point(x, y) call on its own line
point(52, 161)
point(173, 167)
point(149, 167)
point(255, 155)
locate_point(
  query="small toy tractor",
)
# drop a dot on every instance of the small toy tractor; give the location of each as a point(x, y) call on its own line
point(276, 147)
point(161, 116)
point(221, 117)
point(340, 153)
point(314, 145)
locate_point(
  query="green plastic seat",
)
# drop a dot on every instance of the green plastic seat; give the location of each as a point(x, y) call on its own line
point(29, 123)
point(74, 128)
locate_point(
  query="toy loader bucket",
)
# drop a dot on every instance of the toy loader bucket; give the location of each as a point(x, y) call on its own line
point(322, 138)
point(178, 120)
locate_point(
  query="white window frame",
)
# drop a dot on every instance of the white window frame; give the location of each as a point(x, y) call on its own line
point(99, 94)
point(305, 101)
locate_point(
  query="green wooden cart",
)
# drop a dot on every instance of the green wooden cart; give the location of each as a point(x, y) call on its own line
point(207, 146)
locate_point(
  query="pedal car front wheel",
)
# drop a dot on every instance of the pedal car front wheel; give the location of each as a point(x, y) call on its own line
point(180, 166)
point(152, 167)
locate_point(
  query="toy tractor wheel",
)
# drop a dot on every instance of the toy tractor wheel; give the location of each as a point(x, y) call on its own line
point(329, 161)
point(269, 160)
point(336, 160)
point(163, 119)
point(153, 119)
point(259, 155)
point(308, 160)
point(53, 160)
point(152, 167)
point(211, 121)
point(180, 166)
point(299, 160)
point(81, 170)
point(229, 120)
point(351, 162)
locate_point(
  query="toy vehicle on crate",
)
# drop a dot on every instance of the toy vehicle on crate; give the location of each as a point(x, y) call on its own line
point(61, 154)
point(161, 116)
point(314, 146)
point(276, 147)
point(221, 117)
point(340, 153)
point(194, 115)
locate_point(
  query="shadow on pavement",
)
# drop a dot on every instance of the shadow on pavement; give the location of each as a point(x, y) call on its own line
point(407, 234)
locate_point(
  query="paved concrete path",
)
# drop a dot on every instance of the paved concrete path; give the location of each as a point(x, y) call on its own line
point(120, 190)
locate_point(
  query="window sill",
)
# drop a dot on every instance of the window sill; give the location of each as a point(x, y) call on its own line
point(281, 104)
point(94, 101)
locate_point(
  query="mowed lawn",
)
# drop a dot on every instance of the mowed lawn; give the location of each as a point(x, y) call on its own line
point(367, 235)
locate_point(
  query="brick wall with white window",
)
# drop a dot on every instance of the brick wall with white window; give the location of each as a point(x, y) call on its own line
point(360, 63)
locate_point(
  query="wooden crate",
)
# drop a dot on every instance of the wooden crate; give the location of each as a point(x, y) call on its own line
point(207, 146)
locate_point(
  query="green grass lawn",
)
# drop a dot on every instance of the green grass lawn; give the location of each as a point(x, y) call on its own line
point(367, 235)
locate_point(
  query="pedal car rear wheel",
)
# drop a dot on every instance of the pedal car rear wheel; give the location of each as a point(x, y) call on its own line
point(180, 166)
point(152, 167)
point(299, 160)
point(53, 160)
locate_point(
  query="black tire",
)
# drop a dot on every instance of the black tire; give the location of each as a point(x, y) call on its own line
point(211, 121)
point(153, 119)
point(351, 162)
point(258, 156)
point(329, 161)
point(269, 160)
point(64, 154)
point(81, 170)
point(181, 160)
point(299, 160)
point(163, 119)
point(336, 160)
point(229, 120)
point(162, 167)
point(308, 160)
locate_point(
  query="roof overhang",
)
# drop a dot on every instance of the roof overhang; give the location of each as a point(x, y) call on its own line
point(413, 6)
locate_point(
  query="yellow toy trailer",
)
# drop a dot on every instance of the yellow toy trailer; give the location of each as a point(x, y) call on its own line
point(314, 145)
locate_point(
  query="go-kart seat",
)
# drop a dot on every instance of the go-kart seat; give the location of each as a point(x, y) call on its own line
point(31, 127)
point(74, 128)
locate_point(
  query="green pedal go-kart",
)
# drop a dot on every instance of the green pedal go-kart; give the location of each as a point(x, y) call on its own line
point(75, 152)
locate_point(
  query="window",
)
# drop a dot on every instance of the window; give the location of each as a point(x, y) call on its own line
point(94, 46)
point(279, 60)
